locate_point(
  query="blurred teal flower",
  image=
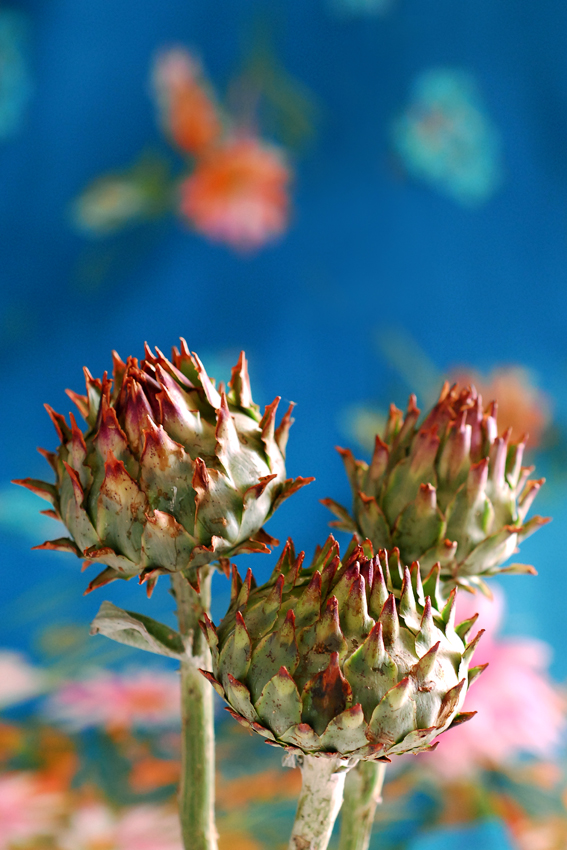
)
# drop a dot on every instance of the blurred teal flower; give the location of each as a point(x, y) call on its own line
point(445, 138)
point(361, 7)
point(15, 76)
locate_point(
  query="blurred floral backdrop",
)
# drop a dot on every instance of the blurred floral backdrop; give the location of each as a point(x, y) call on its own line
point(367, 196)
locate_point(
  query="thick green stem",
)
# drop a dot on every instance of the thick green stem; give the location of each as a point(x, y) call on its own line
point(197, 785)
point(363, 792)
point(322, 784)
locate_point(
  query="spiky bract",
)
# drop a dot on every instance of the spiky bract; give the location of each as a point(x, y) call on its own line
point(449, 490)
point(351, 658)
point(171, 473)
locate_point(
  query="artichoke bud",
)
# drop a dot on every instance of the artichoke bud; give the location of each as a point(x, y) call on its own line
point(343, 657)
point(171, 474)
point(449, 490)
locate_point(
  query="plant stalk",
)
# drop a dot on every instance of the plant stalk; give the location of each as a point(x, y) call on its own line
point(320, 800)
point(197, 784)
point(363, 792)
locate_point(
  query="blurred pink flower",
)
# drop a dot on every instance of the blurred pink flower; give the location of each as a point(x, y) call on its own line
point(18, 679)
point(27, 811)
point(238, 193)
point(519, 709)
point(96, 827)
point(136, 698)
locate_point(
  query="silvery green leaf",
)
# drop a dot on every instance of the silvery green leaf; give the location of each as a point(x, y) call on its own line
point(137, 630)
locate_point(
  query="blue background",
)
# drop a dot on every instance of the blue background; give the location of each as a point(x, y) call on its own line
point(368, 250)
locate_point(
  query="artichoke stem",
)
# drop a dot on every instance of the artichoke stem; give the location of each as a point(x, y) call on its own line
point(320, 800)
point(363, 790)
point(197, 785)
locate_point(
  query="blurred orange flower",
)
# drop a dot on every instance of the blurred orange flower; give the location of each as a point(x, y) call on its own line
point(188, 111)
point(267, 785)
point(150, 773)
point(238, 193)
point(521, 405)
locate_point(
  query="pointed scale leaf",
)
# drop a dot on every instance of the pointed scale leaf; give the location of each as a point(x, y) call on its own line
point(395, 715)
point(475, 672)
point(390, 622)
point(288, 488)
point(407, 476)
point(356, 624)
point(212, 681)
point(240, 389)
point(279, 705)
point(404, 436)
point(354, 468)
point(121, 510)
point(328, 575)
point(236, 653)
point(261, 617)
point(407, 605)
point(420, 526)
point(105, 577)
point(450, 703)
point(374, 477)
point(62, 544)
point(40, 488)
point(325, 696)
point(462, 717)
point(370, 671)
point(428, 634)
point(346, 732)
point(345, 521)
point(276, 650)
point(379, 592)
point(372, 522)
point(470, 647)
point(343, 582)
point(239, 696)
point(432, 585)
point(464, 628)
point(448, 612)
point(308, 606)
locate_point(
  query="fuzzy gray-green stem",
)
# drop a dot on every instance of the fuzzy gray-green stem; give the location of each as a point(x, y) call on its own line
point(322, 784)
point(197, 785)
point(363, 790)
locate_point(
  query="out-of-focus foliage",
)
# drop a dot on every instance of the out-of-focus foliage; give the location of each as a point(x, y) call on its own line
point(114, 201)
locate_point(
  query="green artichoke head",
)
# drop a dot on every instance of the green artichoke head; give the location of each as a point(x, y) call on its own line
point(171, 473)
point(355, 658)
point(449, 490)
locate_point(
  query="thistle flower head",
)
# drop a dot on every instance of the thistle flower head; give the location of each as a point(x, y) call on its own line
point(448, 490)
point(354, 657)
point(171, 473)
